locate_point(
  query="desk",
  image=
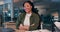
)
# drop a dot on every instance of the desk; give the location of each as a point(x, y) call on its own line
point(10, 25)
point(44, 30)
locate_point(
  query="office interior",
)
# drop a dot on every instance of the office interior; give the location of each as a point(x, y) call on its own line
point(48, 10)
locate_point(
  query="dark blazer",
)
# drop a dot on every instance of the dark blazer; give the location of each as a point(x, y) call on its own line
point(34, 19)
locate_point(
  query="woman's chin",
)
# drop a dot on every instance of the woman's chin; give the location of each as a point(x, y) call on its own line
point(28, 11)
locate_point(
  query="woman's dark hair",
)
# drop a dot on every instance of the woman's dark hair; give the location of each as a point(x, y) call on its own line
point(33, 9)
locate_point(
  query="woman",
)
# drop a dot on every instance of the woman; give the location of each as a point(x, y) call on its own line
point(29, 20)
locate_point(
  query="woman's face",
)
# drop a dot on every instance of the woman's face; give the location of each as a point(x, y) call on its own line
point(27, 7)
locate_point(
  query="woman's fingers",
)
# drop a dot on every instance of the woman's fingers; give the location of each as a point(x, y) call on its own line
point(26, 27)
point(21, 27)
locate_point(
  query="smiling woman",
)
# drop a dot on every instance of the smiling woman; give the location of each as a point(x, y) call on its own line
point(29, 20)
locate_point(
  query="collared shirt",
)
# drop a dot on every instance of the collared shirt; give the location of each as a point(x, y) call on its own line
point(27, 19)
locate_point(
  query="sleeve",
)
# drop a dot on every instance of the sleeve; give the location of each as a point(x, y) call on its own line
point(18, 22)
point(36, 23)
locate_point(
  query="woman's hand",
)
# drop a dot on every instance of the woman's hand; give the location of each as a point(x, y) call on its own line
point(21, 27)
point(25, 27)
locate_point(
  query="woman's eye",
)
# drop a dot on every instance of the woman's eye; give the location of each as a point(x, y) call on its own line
point(27, 6)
